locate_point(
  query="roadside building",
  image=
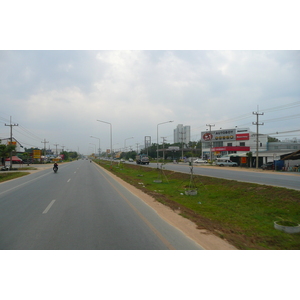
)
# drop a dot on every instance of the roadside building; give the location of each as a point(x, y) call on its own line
point(234, 141)
point(6, 141)
point(238, 142)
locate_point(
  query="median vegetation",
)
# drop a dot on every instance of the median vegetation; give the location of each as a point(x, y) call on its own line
point(11, 175)
point(241, 213)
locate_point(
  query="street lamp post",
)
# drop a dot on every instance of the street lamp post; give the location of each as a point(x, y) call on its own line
point(110, 139)
point(99, 143)
point(95, 147)
point(157, 140)
point(125, 142)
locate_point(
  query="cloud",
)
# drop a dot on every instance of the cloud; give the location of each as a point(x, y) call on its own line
point(59, 95)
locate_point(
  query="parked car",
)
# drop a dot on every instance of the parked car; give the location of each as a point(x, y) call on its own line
point(226, 163)
point(130, 160)
point(268, 166)
point(200, 161)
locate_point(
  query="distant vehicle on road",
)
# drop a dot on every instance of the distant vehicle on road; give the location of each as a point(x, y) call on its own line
point(130, 160)
point(200, 161)
point(226, 163)
point(268, 166)
point(142, 159)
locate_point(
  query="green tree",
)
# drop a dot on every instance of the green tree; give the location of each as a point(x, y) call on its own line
point(272, 139)
point(65, 154)
point(5, 151)
point(249, 159)
point(73, 154)
point(26, 156)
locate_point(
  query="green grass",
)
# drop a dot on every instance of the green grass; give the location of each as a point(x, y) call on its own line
point(12, 175)
point(27, 168)
point(242, 213)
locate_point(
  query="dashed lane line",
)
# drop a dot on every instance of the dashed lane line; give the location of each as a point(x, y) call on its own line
point(49, 206)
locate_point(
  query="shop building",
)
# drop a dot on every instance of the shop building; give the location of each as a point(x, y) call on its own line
point(235, 141)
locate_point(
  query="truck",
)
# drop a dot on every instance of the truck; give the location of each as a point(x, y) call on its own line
point(142, 159)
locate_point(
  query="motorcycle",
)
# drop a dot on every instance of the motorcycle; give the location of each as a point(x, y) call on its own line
point(55, 169)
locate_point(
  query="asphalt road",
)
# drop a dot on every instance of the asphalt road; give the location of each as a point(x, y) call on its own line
point(80, 207)
point(287, 180)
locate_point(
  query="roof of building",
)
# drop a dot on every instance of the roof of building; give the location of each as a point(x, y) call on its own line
point(291, 156)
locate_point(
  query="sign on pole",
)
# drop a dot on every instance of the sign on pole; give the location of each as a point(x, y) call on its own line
point(37, 154)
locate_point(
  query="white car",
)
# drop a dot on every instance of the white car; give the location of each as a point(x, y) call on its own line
point(226, 163)
point(130, 160)
point(200, 161)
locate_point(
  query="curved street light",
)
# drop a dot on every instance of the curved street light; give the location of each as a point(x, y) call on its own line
point(157, 140)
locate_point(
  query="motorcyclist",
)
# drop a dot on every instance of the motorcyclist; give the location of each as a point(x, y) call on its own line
point(55, 166)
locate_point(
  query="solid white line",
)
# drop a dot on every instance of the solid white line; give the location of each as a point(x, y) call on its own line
point(69, 180)
point(49, 206)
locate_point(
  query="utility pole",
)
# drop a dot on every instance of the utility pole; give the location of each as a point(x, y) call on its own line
point(210, 138)
point(257, 124)
point(45, 142)
point(11, 126)
point(56, 148)
point(147, 143)
point(181, 132)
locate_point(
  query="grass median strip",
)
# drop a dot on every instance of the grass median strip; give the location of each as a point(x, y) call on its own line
point(242, 213)
point(13, 175)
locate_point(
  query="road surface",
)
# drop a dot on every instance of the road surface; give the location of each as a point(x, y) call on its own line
point(81, 207)
point(289, 180)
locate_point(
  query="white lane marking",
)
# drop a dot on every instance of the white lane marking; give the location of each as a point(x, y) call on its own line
point(24, 183)
point(69, 180)
point(49, 206)
point(75, 172)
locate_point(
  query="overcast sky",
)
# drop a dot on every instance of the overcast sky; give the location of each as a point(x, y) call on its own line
point(60, 95)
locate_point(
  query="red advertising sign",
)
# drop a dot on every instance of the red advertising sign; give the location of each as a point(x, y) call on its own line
point(207, 136)
point(231, 148)
point(243, 160)
point(242, 136)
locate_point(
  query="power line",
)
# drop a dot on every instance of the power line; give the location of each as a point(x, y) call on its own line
point(283, 118)
point(283, 132)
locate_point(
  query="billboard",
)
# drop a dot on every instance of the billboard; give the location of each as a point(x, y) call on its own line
point(218, 135)
point(225, 135)
point(37, 153)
